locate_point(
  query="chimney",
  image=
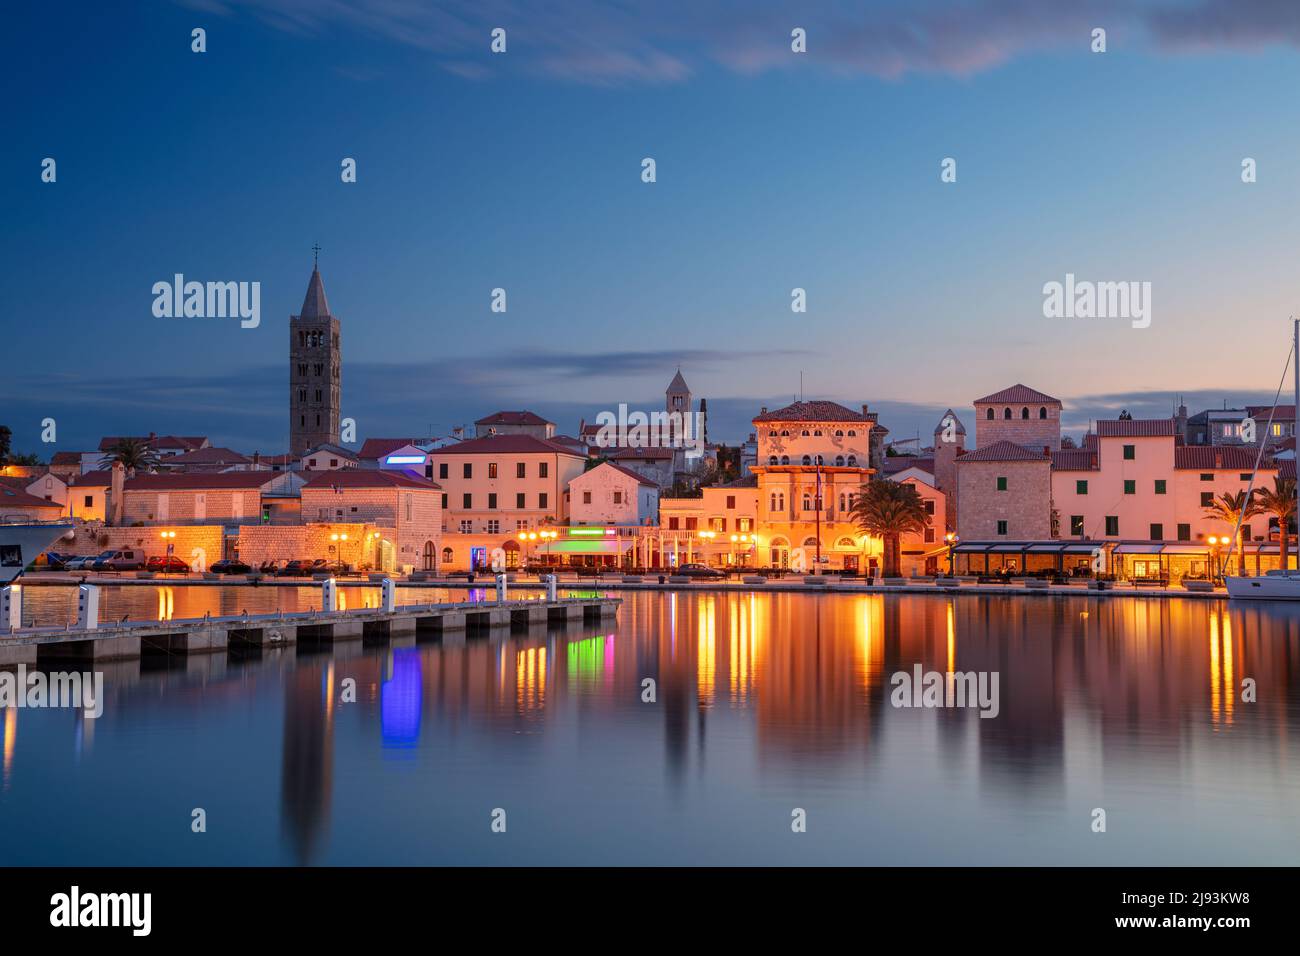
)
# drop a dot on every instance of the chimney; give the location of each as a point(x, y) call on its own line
point(763, 410)
point(117, 480)
point(864, 411)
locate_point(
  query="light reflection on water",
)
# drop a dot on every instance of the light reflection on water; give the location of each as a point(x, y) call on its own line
point(763, 703)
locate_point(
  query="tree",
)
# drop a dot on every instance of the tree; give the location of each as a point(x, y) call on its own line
point(135, 454)
point(1234, 507)
point(1279, 502)
point(6, 436)
point(888, 510)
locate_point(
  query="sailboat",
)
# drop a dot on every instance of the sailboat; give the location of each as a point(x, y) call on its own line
point(1281, 585)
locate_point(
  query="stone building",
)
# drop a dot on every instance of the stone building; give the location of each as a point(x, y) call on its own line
point(514, 423)
point(405, 512)
point(315, 370)
point(610, 494)
point(949, 445)
point(1005, 491)
point(1021, 415)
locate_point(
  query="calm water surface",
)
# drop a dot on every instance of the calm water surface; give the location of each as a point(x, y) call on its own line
point(765, 703)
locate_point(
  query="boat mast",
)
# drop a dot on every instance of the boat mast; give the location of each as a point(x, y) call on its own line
point(1295, 354)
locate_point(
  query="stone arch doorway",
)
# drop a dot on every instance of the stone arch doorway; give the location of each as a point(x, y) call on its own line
point(779, 550)
point(429, 556)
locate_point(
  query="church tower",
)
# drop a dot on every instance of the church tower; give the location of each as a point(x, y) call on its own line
point(677, 396)
point(314, 371)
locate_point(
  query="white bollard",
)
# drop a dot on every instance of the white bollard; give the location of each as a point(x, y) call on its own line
point(329, 595)
point(388, 595)
point(87, 607)
point(11, 607)
point(550, 588)
point(501, 589)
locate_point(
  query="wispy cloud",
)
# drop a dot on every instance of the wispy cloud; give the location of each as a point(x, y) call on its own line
point(669, 41)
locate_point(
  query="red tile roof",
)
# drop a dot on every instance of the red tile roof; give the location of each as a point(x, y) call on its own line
point(813, 412)
point(1017, 393)
point(892, 465)
point(201, 482)
point(376, 448)
point(641, 479)
point(209, 456)
point(1223, 457)
point(1136, 428)
point(66, 458)
point(645, 454)
point(1284, 413)
point(1286, 468)
point(17, 498)
point(513, 418)
point(92, 479)
point(506, 445)
point(1074, 459)
point(1003, 451)
point(368, 478)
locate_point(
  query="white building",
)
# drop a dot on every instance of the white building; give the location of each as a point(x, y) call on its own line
point(610, 494)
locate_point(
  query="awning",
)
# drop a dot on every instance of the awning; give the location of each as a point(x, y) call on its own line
point(1011, 547)
point(971, 548)
point(1150, 547)
point(1046, 548)
point(1199, 550)
point(593, 546)
point(1084, 547)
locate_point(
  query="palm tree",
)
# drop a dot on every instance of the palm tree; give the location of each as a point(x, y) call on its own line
point(886, 509)
point(1279, 502)
point(1234, 507)
point(135, 454)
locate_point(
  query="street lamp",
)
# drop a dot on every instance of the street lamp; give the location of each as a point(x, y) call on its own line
point(706, 537)
point(1214, 543)
point(170, 538)
point(951, 538)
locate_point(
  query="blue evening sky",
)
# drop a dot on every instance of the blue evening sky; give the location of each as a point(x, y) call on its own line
point(522, 171)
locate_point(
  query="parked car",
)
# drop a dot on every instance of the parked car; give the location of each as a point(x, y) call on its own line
point(80, 562)
point(333, 567)
point(166, 564)
point(230, 566)
point(121, 559)
point(700, 571)
point(296, 569)
point(273, 566)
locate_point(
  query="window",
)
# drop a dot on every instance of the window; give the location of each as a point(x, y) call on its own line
point(519, 500)
point(731, 502)
point(541, 500)
point(521, 470)
point(929, 536)
point(492, 502)
point(1042, 412)
point(718, 524)
point(1076, 525)
point(492, 469)
point(1244, 476)
point(1130, 486)
point(1006, 414)
point(467, 501)
point(1157, 532)
point(672, 523)
point(742, 524)
point(1002, 483)
point(334, 462)
point(1024, 414)
point(1184, 532)
point(853, 461)
point(989, 416)
point(839, 461)
point(442, 470)
point(807, 502)
point(1130, 452)
point(807, 459)
point(494, 526)
point(1002, 527)
point(466, 526)
point(785, 459)
point(543, 469)
point(1207, 476)
point(691, 523)
point(1207, 499)
point(1160, 486)
point(586, 497)
point(409, 499)
point(771, 459)
point(1112, 526)
point(444, 500)
point(1081, 487)
point(467, 470)
point(521, 524)
point(618, 497)
point(929, 506)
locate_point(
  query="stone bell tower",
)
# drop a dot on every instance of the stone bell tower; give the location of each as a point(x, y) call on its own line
point(315, 360)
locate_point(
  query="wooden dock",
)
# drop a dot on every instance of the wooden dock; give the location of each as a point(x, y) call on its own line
point(133, 639)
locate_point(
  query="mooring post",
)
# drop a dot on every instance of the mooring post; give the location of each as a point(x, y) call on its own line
point(501, 589)
point(550, 588)
point(11, 607)
point(329, 595)
point(87, 607)
point(388, 595)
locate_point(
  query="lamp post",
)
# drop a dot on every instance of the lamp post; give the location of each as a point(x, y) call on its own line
point(705, 538)
point(952, 543)
point(170, 538)
point(1214, 557)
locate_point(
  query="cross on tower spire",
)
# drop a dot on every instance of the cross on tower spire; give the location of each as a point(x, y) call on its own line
point(315, 255)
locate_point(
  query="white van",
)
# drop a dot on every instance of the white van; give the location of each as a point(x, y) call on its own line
point(126, 559)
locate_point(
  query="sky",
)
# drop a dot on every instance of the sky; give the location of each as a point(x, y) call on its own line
point(522, 171)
